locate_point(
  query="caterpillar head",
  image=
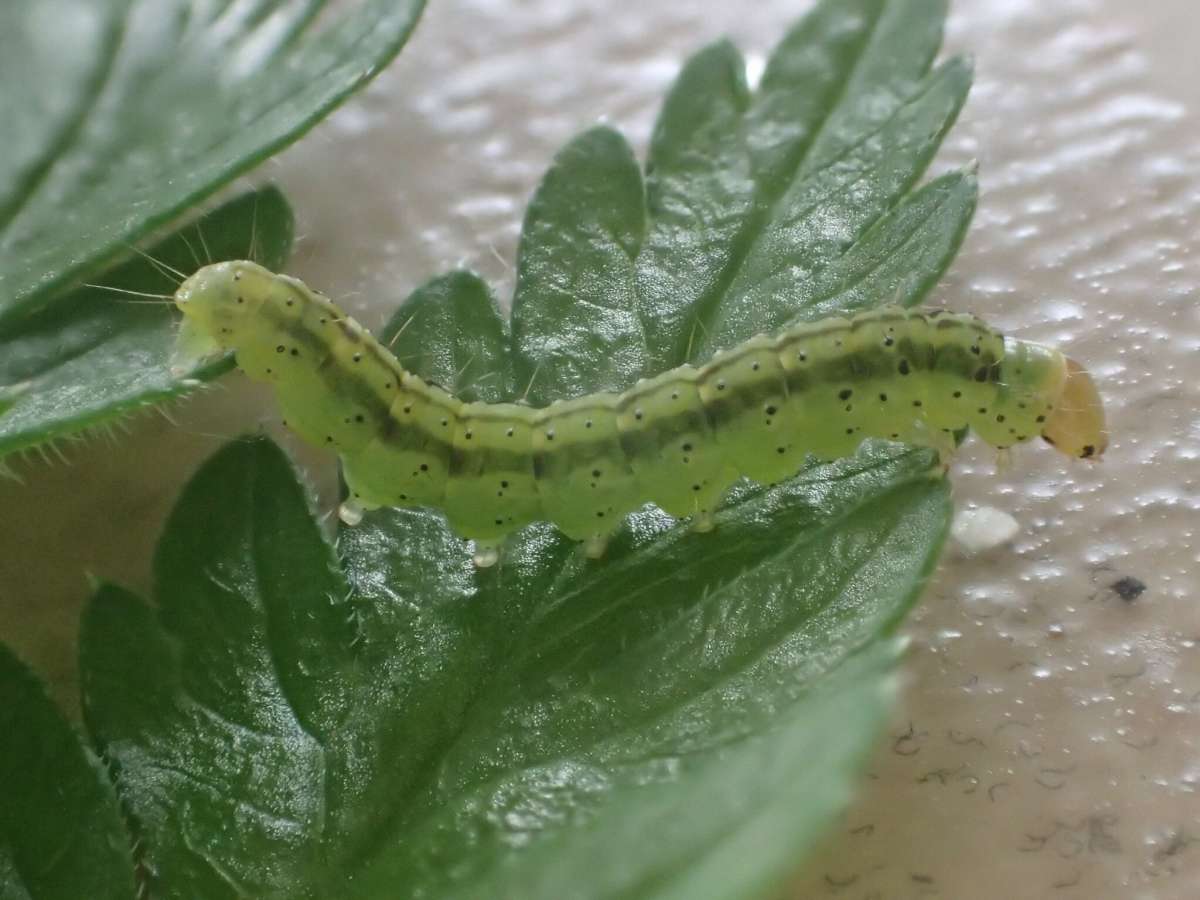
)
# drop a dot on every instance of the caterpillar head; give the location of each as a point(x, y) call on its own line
point(216, 303)
point(1076, 424)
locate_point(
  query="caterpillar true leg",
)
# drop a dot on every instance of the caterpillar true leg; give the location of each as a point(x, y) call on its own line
point(678, 440)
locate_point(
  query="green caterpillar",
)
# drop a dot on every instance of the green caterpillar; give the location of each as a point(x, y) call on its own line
point(677, 440)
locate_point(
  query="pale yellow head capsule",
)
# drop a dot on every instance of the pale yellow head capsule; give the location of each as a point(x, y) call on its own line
point(223, 296)
point(1076, 425)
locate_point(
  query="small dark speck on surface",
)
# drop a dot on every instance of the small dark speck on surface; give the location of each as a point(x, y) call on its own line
point(1128, 588)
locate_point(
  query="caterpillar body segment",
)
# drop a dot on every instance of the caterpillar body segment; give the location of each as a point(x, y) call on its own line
point(678, 439)
point(669, 435)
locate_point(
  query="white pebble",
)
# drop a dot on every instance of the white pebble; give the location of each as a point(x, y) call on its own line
point(981, 529)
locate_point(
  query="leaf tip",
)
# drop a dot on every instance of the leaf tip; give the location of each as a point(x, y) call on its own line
point(961, 68)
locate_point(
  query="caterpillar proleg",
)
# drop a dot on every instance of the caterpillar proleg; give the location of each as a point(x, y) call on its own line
point(678, 440)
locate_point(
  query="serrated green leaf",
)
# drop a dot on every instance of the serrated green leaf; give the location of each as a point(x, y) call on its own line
point(416, 727)
point(902, 255)
point(432, 730)
point(92, 355)
point(450, 330)
point(728, 822)
point(61, 833)
point(575, 313)
point(390, 721)
point(129, 111)
point(789, 202)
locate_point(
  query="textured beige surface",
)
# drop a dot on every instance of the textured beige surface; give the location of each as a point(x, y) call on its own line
point(1048, 740)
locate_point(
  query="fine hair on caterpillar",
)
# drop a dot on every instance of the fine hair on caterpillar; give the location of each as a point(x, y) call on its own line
point(678, 440)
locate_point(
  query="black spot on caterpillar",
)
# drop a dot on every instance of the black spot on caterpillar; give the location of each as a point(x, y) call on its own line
point(412, 443)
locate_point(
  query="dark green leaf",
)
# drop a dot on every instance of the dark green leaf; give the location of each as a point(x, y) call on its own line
point(677, 720)
point(790, 202)
point(900, 258)
point(91, 356)
point(718, 822)
point(61, 834)
point(451, 332)
point(122, 113)
point(436, 731)
point(417, 727)
point(576, 323)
